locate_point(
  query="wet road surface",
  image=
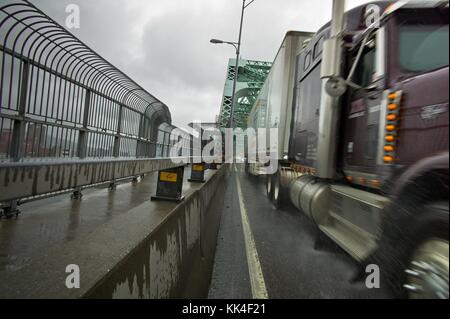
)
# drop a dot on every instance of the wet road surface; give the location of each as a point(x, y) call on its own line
point(284, 241)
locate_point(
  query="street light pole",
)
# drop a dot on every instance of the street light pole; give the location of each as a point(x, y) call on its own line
point(236, 68)
point(238, 52)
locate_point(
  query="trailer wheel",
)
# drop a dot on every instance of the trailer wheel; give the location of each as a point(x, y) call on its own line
point(279, 193)
point(416, 261)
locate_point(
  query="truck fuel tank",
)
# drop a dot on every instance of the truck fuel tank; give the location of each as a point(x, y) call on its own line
point(312, 196)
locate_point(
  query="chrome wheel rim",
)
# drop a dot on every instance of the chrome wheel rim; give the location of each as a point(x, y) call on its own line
point(269, 185)
point(427, 275)
point(276, 191)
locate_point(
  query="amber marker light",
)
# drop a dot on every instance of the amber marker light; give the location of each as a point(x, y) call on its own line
point(392, 96)
point(389, 138)
point(390, 128)
point(392, 107)
point(389, 148)
point(391, 117)
point(375, 183)
point(388, 159)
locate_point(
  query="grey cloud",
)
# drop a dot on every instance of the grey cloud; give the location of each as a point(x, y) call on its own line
point(170, 54)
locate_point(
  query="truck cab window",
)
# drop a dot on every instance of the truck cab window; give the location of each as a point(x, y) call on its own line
point(366, 68)
point(318, 48)
point(307, 63)
point(423, 40)
point(423, 48)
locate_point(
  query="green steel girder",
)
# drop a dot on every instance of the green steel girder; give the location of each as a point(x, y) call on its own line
point(251, 77)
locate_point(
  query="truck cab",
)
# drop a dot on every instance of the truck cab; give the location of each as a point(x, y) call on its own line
point(400, 97)
point(369, 140)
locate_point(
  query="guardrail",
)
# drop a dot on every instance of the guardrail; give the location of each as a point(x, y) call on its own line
point(19, 180)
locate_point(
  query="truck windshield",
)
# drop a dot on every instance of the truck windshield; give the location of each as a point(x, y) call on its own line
point(422, 39)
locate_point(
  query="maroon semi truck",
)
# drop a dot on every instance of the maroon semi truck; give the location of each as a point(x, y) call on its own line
point(366, 156)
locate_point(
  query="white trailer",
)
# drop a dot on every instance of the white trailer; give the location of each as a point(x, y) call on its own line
point(274, 105)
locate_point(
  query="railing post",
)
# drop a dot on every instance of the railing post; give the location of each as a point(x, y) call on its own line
point(18, 134)
point(116, 149)
point(10, 210)
point(82, 138)
point(152, 149)
point(117, 137)
point(139, 145)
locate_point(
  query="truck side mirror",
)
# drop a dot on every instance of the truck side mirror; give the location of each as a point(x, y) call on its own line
point(336, 86)
point(331, 67)
point(331, 57)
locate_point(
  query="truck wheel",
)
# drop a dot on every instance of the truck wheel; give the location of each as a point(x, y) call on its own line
point(428, 265)
point(418, 260)
point(427, 274)
point(278, 196)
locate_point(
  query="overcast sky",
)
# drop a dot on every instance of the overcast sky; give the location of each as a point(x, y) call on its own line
point(164, 44)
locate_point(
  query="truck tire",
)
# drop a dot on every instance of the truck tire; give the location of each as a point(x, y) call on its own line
point(414, 260)
point(278, 191)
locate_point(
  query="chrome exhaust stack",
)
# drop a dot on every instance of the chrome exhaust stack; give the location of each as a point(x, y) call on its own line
point(333, 87)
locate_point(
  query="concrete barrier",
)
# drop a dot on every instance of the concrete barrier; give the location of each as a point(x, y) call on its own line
point(176, 259)
point(154, 250)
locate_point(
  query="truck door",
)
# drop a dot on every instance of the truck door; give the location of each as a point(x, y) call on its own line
point(362, 114)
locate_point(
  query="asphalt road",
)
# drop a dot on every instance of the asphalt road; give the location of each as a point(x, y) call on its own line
point(284, 241)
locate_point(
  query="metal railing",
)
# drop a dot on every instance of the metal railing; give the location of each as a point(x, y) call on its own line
point(61, 101)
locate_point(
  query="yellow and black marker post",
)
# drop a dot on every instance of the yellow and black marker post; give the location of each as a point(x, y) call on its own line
point(198, 173)
point(170, 185)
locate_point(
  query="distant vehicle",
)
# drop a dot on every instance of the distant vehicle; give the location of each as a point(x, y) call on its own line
point(363, 142)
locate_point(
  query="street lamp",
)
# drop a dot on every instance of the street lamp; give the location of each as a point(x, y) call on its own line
point(216, 41)
point(237, 46)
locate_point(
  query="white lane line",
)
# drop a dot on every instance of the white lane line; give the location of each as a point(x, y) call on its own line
point(259, 290)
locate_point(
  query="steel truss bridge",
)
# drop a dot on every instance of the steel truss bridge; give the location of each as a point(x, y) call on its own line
point(251, 77)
